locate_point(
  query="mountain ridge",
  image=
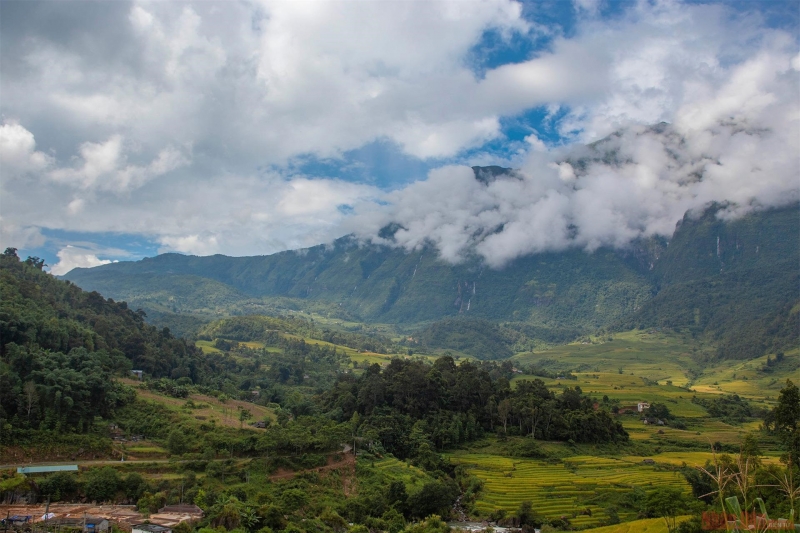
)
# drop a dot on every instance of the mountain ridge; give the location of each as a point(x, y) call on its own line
point(712, 277)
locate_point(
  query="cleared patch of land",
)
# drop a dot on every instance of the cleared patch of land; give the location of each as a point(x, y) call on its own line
point(205, 408)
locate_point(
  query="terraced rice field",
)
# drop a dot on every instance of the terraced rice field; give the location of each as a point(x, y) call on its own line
point(689, 458)
point(393, 469)
point(648, 525)
point(557, 490)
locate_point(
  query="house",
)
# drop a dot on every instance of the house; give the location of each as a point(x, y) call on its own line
point(16, 520)
point(88, 524)
point(182, 508)
point(149, 528)
point(641, 406)
point(138, 374)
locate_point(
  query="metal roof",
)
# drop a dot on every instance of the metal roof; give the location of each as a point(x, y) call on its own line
point(44, 469)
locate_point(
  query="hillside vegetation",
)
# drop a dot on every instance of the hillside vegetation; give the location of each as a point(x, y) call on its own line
point(731, 283)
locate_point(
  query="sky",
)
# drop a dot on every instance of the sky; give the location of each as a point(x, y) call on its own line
point(130, 128)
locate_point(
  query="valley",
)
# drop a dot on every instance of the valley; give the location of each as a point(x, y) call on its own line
point(378, 388)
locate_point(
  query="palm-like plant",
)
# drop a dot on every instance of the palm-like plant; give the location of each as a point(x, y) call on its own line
point(721, 476)
point(787, 486)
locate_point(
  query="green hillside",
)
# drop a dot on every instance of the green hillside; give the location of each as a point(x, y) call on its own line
point(383, 285)
point(733, 283)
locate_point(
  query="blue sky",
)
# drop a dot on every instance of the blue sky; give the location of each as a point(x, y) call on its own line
point(243, 144)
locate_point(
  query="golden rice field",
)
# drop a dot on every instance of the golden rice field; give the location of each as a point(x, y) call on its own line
point(690, 458)
point(564, 489)
point(647, 525)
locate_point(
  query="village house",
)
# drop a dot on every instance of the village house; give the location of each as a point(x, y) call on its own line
point(150, 528)
point(88, 524)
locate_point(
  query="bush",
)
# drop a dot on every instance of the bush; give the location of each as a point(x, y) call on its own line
point(102, 484)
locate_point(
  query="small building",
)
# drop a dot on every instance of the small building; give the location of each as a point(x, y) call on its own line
point(138, 374)
point(16, 520)
point(89, 524)
point(150, 528)
point(182, 508)
point(641, 406)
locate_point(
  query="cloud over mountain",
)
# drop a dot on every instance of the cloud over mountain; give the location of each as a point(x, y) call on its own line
point(185, 122)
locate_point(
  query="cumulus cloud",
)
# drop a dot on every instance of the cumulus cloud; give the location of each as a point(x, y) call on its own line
point(71, 257)
point(18, 152)
point(177, 121)
point(15, 236)
point(103, 166)
point(735, 141)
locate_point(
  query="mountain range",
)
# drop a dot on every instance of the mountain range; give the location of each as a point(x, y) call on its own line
point(735, 282)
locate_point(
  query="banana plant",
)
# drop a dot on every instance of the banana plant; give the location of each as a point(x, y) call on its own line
point(742, 521)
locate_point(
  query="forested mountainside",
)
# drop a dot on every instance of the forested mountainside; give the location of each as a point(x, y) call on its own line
point(60, 345)
point(735, 281)
point(387, 285)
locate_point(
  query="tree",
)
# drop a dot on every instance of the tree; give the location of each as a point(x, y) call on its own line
point(35, 262)
point(102, 484)
point(177, 443)
point(668, 503)
point(786, 415)
point(659, 411)
point(244, 414)
point(527, 516)
point(30, 397)
point(504, 410)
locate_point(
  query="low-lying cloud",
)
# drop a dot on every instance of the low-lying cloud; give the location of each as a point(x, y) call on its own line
point(735, 141)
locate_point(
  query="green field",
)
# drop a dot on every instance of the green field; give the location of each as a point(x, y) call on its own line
point(657, 356)
point(572, 488)
point(395, 470)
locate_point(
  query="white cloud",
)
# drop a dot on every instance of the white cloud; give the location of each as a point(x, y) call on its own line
point(72, 257)
point(171, 123)
point(14, 236)
point(103, 166)
point(18, 154)
point(190, 244)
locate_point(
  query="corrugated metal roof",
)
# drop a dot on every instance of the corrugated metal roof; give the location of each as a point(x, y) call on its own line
point(44, 469)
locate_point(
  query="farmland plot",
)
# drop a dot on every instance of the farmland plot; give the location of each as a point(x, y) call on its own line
point(572, 488)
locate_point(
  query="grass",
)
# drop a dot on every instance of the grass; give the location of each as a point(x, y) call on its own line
point(572, 488)
point(395, 470)
point(656, 356)
point(210, 408)
point(148, 449)
point(207, 347)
